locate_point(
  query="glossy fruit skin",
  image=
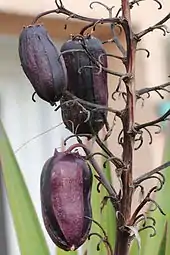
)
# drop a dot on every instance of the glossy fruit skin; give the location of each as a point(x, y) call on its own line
point(66, 182)
point(89, 85)
point(41, 63)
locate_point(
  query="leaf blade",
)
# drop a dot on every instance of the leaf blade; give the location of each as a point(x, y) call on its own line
point(25, 219)
point(108, 216)
point(152, 245)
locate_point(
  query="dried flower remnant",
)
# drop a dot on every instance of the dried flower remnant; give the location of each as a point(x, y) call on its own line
point(66, 182)
point(41, 63)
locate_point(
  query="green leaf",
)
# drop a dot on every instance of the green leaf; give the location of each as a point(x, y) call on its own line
point(152, 245)
point(108, 216)
point(91, 245)
point(162, 248)
point(168, 237)
point(30, 236)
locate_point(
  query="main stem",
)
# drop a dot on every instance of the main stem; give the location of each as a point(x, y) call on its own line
point(122, 242)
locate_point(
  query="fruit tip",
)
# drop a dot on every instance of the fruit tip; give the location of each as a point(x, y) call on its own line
point(56, 152)
point(72, 248)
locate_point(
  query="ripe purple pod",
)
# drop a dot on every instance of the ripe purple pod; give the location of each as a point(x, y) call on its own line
point(66, 182)
point(86, 81)
point(42, 63)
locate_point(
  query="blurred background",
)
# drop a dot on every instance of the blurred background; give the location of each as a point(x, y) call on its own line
point(23, 119)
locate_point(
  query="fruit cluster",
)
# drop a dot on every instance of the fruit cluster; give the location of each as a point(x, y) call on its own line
point(74, 75)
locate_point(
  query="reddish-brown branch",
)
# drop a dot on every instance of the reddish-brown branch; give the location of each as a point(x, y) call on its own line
point(128, 141)
point(126, 10)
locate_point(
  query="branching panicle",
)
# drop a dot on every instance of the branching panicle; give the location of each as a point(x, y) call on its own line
point(131, 136)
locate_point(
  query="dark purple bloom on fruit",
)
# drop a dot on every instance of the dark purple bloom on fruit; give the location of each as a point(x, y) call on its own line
point(66, 182)
point(86, 81)
point(41, 63)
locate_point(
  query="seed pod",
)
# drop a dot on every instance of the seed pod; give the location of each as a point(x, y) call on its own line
point(81, 119)
point(41, 63)
point(86, 81)
point(66, 182)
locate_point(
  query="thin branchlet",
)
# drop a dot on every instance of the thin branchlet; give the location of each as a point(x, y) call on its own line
point(132, 3)
point(144, 49)
point(164, 117)
point(159, 25)
point(87, 103)
point(73, 15)
point(162, 87)
point(146, 200)
point(150, 173)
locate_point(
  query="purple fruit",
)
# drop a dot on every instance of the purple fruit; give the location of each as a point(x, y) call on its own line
point(66, 182)
point(86, 82)
point(41, 63)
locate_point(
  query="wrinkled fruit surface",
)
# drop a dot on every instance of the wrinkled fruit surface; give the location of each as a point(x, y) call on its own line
point(86, 81)
point(66, 182)
point(41, 63)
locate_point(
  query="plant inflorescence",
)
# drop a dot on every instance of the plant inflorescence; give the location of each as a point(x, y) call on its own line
point(84, 104)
